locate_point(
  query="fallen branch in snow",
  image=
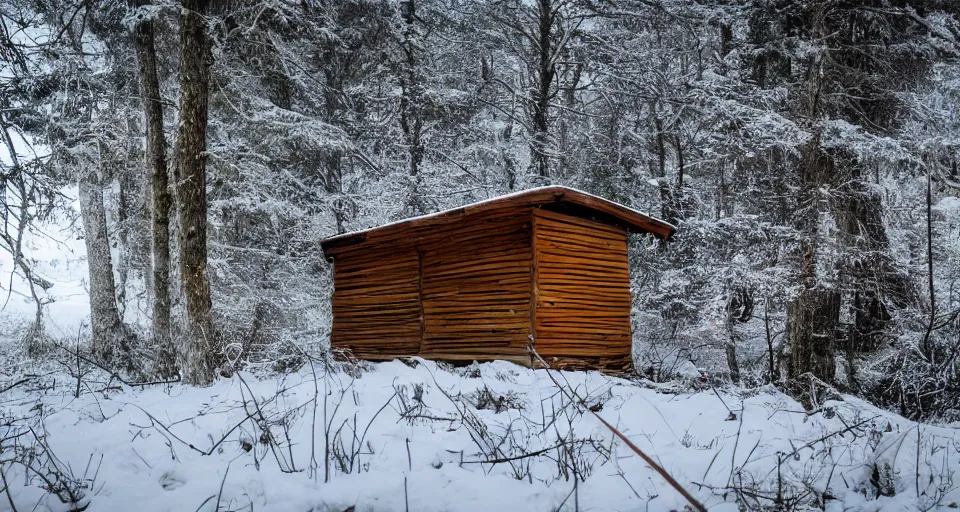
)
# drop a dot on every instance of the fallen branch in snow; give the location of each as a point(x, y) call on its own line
point(756, 495)
point(222, 482)
point(249, 416)
point(581, 403)
point(515, 458)
point(212, 496)
point(15, 384)
point(113, 374)
point(31, 452)
point(850, 428)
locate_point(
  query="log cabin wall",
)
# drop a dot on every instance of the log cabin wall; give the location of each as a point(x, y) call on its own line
point(582, 292)
point(476, 290)
point(460, 292)
point(376, 302)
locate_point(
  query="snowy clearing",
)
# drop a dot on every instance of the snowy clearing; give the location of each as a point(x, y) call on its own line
point(397, 436)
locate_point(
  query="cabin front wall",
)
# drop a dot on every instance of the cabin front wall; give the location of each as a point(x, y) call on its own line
point(476, 290)
point(457, 293)
point(581, 291)
point(376, 302)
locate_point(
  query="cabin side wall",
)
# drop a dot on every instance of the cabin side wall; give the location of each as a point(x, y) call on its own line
point(476, 289)
point(582, 292)
point(376, 302)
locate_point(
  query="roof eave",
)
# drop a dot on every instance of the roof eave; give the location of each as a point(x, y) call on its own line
point(633, 220)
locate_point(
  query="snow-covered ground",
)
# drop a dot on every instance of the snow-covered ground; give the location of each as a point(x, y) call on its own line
point(397, 436)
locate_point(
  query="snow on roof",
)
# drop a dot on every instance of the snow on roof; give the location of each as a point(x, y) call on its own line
point(559, 191)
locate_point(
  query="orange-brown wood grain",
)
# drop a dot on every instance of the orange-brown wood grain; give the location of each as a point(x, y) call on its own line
point(583, 306)
point(477, 283)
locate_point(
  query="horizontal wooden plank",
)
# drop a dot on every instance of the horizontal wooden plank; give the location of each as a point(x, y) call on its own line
point(596, 347)
point(586, 275)
point(598, 231)
point(554, 314)
point(562, 260)
point(547, 303)
point(492, 344)
point(574, 300)
point(547, 217)
point(372, 301)
point(432, 265)
point(582, 241)
point(408, 343)
point(378, 341)
point(581, 244)
point(469, 312)
point(392, 265)
point(376, 333)
point(395, 288)
point(511, 234)
point(491, 274)
point(484, 330)
point(475, 293)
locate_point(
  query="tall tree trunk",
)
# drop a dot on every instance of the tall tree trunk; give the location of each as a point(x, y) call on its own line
point(165, 364)
point(411, 108)
point(669, 204)
point(730, 350)
point(542, 90)
point(196, 350)
point(813, 316)
point(110, 343)
point(739, 310)
point(872, 274)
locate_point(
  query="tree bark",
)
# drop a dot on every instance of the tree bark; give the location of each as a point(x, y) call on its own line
point(739, 310)
point(110, 343)
point(542, 91)
point(811, 328)
point(870, 271)
point(813, 316)
point(730, 349)
point(143, 31)
point(196, 349)
point(411, 110)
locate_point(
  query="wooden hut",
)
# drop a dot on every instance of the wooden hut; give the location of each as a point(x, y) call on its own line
point(479, 282)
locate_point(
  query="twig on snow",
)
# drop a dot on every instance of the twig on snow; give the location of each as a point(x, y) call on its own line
point(656, 467)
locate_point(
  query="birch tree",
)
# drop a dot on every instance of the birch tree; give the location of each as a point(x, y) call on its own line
point(84, 128)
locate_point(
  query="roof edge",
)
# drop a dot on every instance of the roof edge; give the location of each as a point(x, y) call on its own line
point(635, 220)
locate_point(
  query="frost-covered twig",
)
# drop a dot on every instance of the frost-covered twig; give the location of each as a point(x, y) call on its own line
point(656, 467)
point(6, 489)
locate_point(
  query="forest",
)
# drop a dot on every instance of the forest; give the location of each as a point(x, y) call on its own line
point(190, 155)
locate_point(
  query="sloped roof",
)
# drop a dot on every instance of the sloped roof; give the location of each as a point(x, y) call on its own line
point(606, 211)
